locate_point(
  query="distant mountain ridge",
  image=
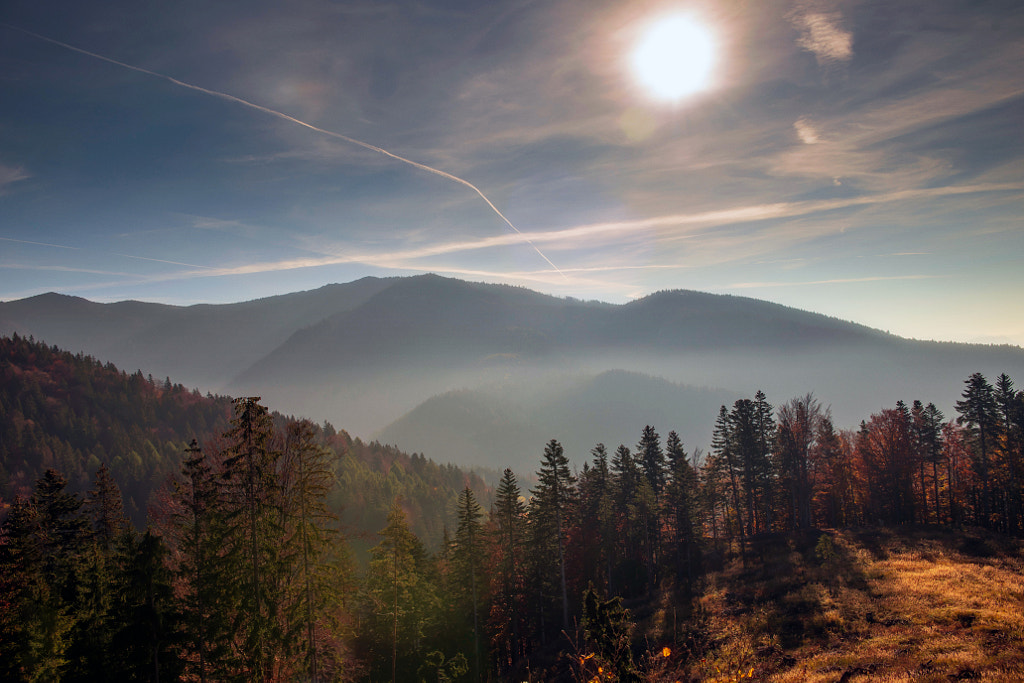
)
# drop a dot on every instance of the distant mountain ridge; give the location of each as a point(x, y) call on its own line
point(509, 423)
point(365, 353)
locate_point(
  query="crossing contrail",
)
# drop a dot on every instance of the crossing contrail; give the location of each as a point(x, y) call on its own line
point(292, 119)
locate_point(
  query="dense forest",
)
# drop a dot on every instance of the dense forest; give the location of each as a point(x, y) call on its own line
point(245, 572)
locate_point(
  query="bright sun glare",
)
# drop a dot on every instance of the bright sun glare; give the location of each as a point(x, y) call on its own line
point(674, 57)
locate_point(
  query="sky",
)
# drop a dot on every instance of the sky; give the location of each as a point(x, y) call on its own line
point(858, 158)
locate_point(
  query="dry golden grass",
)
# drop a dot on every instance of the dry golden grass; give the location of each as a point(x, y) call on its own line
point(916, 605)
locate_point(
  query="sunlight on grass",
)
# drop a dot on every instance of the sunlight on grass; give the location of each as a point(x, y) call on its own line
point(909, 608)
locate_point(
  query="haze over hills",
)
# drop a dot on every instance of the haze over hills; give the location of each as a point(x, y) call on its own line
point(365, 355)
point(510, 422)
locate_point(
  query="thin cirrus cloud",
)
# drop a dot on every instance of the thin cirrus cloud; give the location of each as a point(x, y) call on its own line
point(608, 232)
point(281, 115)
point(822, 34)
point(831, 281)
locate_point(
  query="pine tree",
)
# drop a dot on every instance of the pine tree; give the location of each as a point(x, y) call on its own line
point(147, 637)
point(467, 562)
point(401, 603)
point(252, 503)
point(597, 510)
point(198, 534)
point(723, 451)
point(509, 520)
point(550, 510)
point(45, 537)
point(680, 507)
point(978, 414)
point(106, 509)
point(308, 577)
point(652, 462)
point(1010, 405)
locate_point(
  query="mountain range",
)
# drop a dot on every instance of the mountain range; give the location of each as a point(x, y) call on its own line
point(484, 374)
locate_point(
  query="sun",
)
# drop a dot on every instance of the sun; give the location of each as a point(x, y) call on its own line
point(674, 57)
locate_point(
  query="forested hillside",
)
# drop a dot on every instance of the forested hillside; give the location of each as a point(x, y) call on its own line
point(246, 570)
point(72, 413)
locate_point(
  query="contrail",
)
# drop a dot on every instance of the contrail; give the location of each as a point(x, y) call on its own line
point(286, 117)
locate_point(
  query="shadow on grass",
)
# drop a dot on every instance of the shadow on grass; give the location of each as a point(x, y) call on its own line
point(786, 590)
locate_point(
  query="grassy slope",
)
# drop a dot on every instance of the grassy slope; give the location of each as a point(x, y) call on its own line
point(884, 605)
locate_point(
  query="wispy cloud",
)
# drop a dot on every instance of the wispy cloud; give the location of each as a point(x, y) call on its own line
point(834, 281)
point(40, 244)
point(822, 34)
point(806, 132)
point(10, 175)
point(63, 269)
point(281, 115)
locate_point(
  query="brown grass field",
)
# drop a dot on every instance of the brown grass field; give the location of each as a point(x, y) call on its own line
point(914, 604)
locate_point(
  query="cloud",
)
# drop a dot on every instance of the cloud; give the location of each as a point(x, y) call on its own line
point(806, 132)
point(836, 281)
point(822, 34)
point(10, 175)
point(286, 117)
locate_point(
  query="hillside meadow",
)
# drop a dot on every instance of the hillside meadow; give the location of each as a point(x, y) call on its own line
point(873, 604)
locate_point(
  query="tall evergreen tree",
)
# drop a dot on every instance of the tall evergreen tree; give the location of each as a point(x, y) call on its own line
point(725, 458)
point(979, 416)
point(105, 507)
point(508, 607)
point(45, 537)
point(256, 531)
point(597, 515)
point(1010, 407)
point(307, 477)
point(680, 506)
point(550, 510)
point(198, 533)
point(402, 603)
point(467, 561)
point(147, 634)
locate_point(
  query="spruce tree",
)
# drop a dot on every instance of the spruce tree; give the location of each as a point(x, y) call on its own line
point(467, 562)
point(509, 523)
point(255, 535)
point(198, 533)
point(309, 579)
point(979, 416)
point(680, 506)
point(550, 510)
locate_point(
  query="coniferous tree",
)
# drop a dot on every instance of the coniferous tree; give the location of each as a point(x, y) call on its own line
point(309, 579)
point(597, 515)
point(147, 634)
point(99, 571)
point(508, 583)
point(255, 526)
point(680, 507)
point(723, 451)
point(627, 491)
point(105, 507)
point(652, 463)
point(401, 600)
point(197, 533)
point(549, 512)
point(1010, 406)
point(467, 563)
point(45, 538)
point(978, 415)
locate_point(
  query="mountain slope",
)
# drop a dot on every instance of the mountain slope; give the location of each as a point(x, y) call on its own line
point(365, 353)
point(508, 424)
point(201, 345)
